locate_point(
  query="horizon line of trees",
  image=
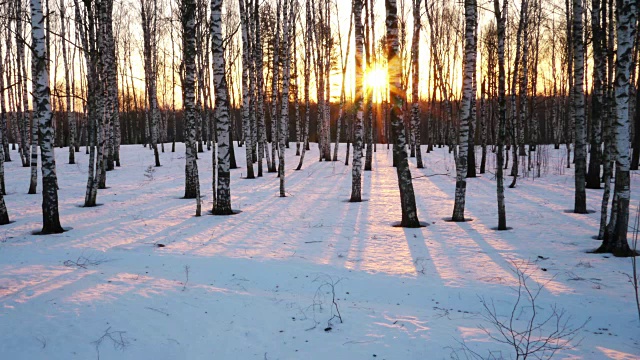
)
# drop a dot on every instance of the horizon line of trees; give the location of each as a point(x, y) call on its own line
point(246, 71)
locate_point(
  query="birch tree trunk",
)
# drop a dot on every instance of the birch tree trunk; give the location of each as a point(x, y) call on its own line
point(148, 12)
point(483, 127)
point(415, 68)
point(111, 80)
point(470, 54)
point(580, 152)
point(356, 164)
point(517, 63)
point(307, 77)
point(328, 44)
point(67, 81)
point(370, 50)
point(608, 155)
point(343, 95)
point(3, 106)
point(33, 183)
point(21, 100)
point(635, 159)
point(296, 83)
point(223, 199)
point(617, 243)
point(87, 30)
point(274, 90)
point(501, 22)
point(262, 132)
point(103, 101)
point(4, 214)
point(320, 77)
point(599, 66)
point(397, 96)
point(192, 180)
point(3, 139)
point(246, 93)
point(287, 18)
point(42, 112)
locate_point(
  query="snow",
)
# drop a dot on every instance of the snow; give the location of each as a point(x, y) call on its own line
point(257, 285)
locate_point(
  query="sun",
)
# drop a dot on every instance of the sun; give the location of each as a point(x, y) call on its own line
point(375, 79)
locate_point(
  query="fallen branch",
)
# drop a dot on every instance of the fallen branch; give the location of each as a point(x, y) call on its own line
point(118, 339)
point(425, 176)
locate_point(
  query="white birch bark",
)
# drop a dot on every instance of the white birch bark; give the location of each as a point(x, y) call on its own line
point(415, 83)
point(343, 95)
point(192, 180)
point(262, 131)
point(501, 23)
point(370, 50)
point(33, 152)
point(307, 77)
point(223, 199)
point(3, 136)
point(22, 101)
point(246, 93)
point(580, 152)
point(599, 64)
point(397, 96)
point(470, 53)
point(67, 81)
point(148, 13)
point(358, 133)
point(86, 30)
point(42, 112)
point(328, 44)
point(286, 77)
point(274, 89)
point(617, 243)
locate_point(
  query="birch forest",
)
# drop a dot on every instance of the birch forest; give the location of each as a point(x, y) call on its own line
point(479, 156)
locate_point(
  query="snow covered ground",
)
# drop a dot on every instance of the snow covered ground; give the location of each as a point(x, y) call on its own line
point(262, 284)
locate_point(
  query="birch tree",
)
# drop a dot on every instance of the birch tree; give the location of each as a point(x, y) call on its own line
point(67, 82)
point(262, 131)
point(43, 114)
point(327, 52)
point(415, 83)
point(222, 206)
point(502, 112)
point(192, 180)
point(3, 130)
point(33, 183)
point(4, 214)
point(343, 96)
point(87, 29)
point(307, 78)
point(112, 112)
point(4, 119)
point(149, 15)
point(397, 96)
point(599, 68)
point(274, 89)
point(286, 78)
point(616, 241)
point(608, 155)
point(106, 102)
point(518, 62)
point(246, 93)
point(370, 52)
point(580, 151)
point(356, 163)
point(470, 54)
point(21, 96)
